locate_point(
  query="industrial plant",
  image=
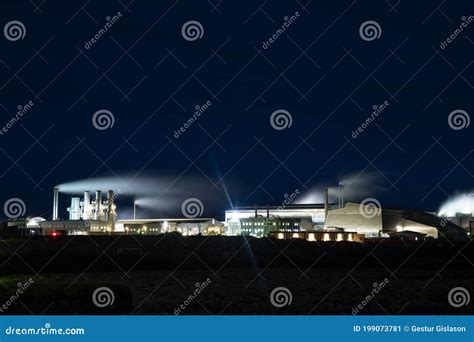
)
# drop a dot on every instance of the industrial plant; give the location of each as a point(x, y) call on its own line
point(355, 222)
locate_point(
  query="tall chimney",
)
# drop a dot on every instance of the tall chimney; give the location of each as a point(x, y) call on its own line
point(98, 205)
point(256, 213)
point(340, 196)
point(87, 206)
point(110, 203)
point(55, 203)
point(326, 203)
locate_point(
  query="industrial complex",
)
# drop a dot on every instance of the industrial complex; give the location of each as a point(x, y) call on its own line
point(313, 222)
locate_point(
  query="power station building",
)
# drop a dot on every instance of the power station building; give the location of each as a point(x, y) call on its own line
point(85, 216)
point(325, 222)
point(250, 220)
point(96, 216)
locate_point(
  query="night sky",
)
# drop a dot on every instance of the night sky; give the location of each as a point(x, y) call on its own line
point(320, 70)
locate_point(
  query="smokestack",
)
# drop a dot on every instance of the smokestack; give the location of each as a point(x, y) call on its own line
point(87, 206)
point(342, 196)
point(326, 203)
point(256, 213)
point(98, 205)
point(55, 203)
point(110, 214)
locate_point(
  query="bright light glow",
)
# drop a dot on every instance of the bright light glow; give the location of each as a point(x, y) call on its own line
point(281, 236)
point(339, 237)
point(311, 237)
point(399, 228)
point(55, 234)
point(349, 237)
point(326, 237)
point(296, 235)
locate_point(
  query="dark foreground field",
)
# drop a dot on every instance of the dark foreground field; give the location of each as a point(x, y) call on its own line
point(234, 275)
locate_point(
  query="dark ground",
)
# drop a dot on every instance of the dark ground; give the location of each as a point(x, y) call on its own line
point(155, 275)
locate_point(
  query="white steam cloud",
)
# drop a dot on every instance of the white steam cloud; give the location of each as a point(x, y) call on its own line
point(355, 187)
point(460, 203)
point(152, 195)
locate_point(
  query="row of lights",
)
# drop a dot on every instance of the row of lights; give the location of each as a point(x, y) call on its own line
point(312, 237)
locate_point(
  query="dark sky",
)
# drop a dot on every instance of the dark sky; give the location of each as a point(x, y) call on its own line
point(320, 70)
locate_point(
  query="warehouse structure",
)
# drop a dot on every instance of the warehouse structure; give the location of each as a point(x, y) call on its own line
point(375, 222)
